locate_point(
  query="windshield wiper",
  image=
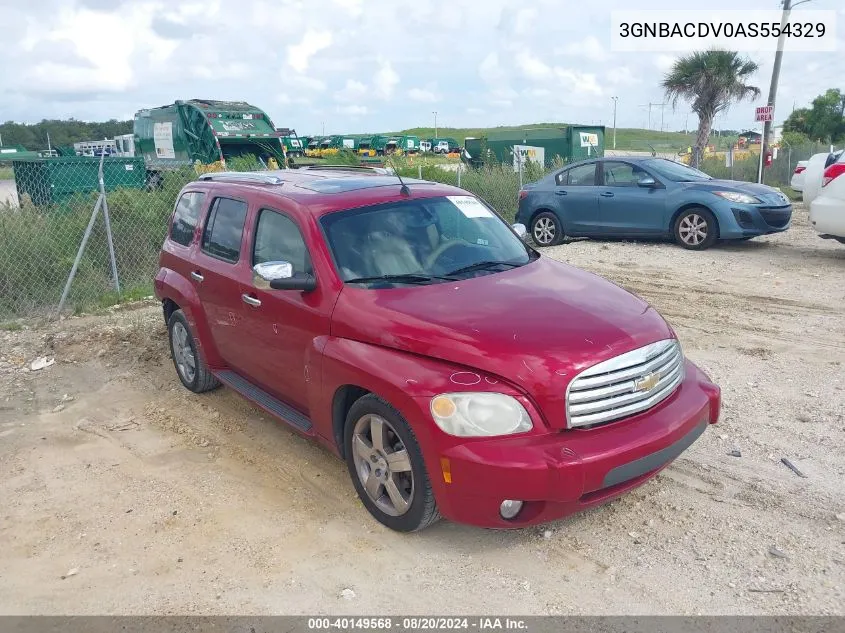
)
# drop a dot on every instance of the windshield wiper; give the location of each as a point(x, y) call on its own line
point(482, 266)
point(401, 279)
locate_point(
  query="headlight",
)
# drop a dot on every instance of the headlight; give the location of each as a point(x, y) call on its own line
point(736, 196)
point(482, 414)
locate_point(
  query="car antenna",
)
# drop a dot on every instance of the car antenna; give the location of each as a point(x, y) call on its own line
point(653, 151)
point(404, 191)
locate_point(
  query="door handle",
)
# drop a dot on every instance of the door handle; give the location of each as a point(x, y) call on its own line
point(196, 275)
point(251, 300)
point(560, 193)
point(606, 194)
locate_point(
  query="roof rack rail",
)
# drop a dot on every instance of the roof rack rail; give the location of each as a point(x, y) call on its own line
point(244, 176)
point(340, 168)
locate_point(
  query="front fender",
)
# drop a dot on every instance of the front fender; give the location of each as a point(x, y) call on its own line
point(404, 380)
point(169, 284)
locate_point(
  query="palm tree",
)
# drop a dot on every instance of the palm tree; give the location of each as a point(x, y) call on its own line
point(710, 80)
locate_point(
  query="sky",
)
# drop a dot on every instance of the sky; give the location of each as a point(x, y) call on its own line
point(344, 66)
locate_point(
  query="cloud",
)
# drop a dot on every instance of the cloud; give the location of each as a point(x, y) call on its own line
point(352, 7)
point(352, 91)
point(664, 63)
point(312, 43)
point(428, 94)
point(385, 80)
point(353, 110)
point(590, 48)
point(533, 67)
point(577, 81)
point(489, 69)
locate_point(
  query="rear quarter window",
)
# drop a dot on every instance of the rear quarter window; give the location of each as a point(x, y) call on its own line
point(186, 216)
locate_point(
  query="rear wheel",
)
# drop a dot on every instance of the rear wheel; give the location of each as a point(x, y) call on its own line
point(696, 229)
point(386, 466)
point(546, 229)
point(190, 367)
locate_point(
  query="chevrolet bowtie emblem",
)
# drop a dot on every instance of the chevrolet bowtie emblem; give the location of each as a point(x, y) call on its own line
point(646, 383)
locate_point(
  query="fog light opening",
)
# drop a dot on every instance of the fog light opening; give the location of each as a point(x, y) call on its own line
point(510, 508)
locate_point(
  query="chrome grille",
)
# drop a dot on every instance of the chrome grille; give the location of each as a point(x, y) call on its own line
point(625, 385)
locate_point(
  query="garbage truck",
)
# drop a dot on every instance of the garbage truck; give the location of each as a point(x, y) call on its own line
point(204, 131)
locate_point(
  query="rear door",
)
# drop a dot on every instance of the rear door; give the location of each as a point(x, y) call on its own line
point(576, 195)
point(218, 266)
point(626, 209)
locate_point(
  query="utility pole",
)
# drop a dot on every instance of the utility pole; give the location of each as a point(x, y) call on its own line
point(615, 99)
point(435, 123)
point(324, 128)
point(49, 147)
point(1, 140)
point(773, 86)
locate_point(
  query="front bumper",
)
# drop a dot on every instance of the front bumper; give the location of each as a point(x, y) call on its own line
point(749, 220)
point(558, 473)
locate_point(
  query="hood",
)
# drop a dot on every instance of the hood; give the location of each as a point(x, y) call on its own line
point(534, 327)
point(768, 195)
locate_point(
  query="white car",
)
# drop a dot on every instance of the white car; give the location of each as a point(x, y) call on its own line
point(814, 173)
point(827, 211)
point(797, 182)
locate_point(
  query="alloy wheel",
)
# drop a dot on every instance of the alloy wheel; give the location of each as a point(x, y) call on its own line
point(693, 229)
point(544, 231)
point(183, 353)
point(383, 465)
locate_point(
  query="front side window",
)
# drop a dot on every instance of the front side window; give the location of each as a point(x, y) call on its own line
point(277, 239)
point(427, 240)
point(619, 174)
point(224, 229)
point(186, 216)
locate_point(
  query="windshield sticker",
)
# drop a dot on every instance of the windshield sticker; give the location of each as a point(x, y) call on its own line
point(471, 207)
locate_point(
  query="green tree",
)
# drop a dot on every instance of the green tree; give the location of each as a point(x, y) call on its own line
point(824, 121)
point(710, 81)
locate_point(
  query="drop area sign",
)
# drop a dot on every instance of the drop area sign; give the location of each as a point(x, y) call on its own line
point(765, 113)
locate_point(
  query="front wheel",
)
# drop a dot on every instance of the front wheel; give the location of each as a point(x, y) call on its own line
point(190, 367)
point(386, 466)
point(696, 229)
point(546, 229)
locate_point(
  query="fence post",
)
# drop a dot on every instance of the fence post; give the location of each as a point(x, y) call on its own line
point(79, 253)
point(108, 226)
point(460, 169)
point(419, 171)
point(519, 162)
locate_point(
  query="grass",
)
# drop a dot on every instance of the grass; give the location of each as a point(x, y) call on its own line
point(7, 173)
point(631, 139)
point(11, 326)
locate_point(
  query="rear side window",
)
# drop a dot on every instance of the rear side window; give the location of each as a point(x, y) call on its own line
point(581, 175)
point(186, 216)
point(224, 229)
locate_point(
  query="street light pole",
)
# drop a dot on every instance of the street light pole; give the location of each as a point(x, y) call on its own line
point(435, 123)
point(615, 99)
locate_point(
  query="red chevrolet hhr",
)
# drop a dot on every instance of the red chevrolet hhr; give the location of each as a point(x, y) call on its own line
point(409, 329)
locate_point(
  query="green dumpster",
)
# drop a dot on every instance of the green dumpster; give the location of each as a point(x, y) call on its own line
point(53, 180)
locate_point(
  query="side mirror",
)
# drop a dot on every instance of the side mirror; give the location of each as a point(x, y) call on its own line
point(280, 276)
point(520, 230)
point(646, 181)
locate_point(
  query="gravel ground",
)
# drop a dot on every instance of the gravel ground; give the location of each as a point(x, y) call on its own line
point(122, 493)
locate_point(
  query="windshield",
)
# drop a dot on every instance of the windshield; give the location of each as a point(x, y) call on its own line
point(427, 240)
point(676, 172)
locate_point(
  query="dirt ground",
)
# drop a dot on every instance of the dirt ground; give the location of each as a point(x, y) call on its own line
point(123, 493)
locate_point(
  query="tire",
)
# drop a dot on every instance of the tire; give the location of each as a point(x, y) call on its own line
point(691, 224)
point(366, 461)
point(200, 379)
point(546, 229)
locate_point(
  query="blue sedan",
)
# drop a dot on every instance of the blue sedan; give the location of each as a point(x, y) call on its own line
point(635, 197)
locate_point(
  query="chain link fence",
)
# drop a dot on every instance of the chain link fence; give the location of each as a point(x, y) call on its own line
point(55, 203)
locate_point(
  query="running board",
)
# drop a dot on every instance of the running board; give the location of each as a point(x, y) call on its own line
point(264, 400)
